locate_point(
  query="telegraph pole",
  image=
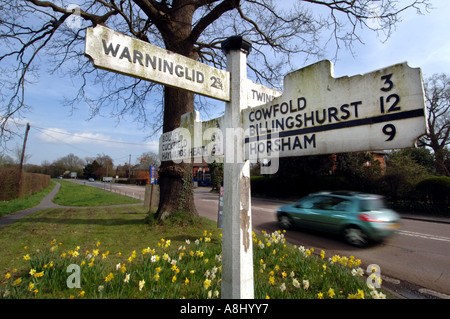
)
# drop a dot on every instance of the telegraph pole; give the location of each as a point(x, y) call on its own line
point(27, 129)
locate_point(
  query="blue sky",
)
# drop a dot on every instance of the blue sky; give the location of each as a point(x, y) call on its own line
point(420, 40)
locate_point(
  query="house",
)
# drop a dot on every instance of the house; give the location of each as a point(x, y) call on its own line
point(202, 174)
point(140, 174)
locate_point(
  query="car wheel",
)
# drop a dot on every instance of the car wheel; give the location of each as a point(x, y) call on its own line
point(355, 237)
point(286, 222)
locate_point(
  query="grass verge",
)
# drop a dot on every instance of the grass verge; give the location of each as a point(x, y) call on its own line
point(73, 194)
point(15, 205)
point(118, 255)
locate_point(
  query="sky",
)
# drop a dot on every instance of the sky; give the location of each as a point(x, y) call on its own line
point(57, 130)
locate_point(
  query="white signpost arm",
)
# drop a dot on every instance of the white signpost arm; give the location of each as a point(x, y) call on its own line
point(237, 251)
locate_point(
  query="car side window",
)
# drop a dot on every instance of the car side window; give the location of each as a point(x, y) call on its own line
point(342, 205)
point(314, 202)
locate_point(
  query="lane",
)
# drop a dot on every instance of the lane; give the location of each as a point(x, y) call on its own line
point(419, 253)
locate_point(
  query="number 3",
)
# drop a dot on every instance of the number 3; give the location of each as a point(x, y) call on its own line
point(388, 82)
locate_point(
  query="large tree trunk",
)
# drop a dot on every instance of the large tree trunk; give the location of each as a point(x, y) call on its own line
point(176, 180)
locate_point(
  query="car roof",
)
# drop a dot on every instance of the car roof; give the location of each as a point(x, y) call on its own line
point(353, 194)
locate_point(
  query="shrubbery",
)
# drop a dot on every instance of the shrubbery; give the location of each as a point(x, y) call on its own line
point(31, 183)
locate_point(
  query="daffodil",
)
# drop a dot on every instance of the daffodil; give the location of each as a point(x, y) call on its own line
point(141, 284)
point(331, 293)
point(206, 283)
point(109, 277)
point(305, 284)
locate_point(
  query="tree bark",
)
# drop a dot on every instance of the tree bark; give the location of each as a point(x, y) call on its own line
point(176, 180)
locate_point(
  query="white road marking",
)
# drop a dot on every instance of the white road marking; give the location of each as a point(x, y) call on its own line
point(425, 236)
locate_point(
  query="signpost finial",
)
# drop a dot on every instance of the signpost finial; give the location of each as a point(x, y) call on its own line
point(237, 42)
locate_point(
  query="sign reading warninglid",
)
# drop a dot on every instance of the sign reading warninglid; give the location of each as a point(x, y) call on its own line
point(319, 114)
point(116, 52)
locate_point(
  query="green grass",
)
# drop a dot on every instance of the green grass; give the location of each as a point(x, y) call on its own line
point(175, 259)
point(73, 194)
point(15, 205)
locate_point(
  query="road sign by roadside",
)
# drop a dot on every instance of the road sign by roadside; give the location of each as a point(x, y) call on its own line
point(152, 174)
point(113, 51)
point(193, 141)
point(320, 114)
point(258, 94)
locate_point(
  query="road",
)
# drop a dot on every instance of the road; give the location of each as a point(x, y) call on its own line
point(415, 262)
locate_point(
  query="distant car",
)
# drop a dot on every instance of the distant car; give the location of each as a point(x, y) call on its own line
point(359, 218)
point(91, 179)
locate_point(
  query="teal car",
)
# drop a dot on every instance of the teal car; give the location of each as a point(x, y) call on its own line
point(359, 218)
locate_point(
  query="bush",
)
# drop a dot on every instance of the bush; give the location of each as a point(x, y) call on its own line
point(31, 183)
point(434, 190)
point(9, 186)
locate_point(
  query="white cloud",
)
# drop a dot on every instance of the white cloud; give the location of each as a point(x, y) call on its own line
point(61, 136)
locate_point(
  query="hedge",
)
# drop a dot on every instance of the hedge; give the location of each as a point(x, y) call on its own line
point(31, 183)
point(434, 190)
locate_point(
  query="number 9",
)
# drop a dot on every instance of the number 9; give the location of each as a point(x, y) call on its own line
point(389, 130)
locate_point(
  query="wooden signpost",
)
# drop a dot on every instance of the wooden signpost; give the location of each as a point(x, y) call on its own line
point(319, 114)
point(316, 114)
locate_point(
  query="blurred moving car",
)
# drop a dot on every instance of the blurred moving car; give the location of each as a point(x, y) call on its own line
point(359, 218)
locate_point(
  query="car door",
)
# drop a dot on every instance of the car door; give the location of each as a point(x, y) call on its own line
point(308, 211)
point(328, 213)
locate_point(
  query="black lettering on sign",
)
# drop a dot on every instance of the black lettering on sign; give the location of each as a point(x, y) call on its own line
point(388, 83)
point(216, 83)
point(389, 130)
point(393, 107)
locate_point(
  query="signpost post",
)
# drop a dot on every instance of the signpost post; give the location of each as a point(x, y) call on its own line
point(237, 245)
point(316, 114)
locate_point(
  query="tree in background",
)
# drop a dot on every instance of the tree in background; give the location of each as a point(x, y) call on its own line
point(404, 170)
point(437, 92)
point(150, 158)
point(92, 170)
point(216, 170)
point(361, 168)
point(280, 31)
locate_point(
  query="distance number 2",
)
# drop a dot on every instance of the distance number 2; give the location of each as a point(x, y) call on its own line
point(391, 103)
